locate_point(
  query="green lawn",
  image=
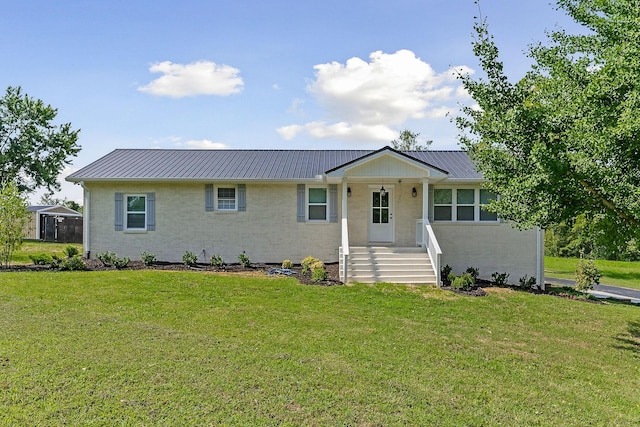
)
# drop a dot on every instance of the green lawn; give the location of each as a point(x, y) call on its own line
point(617, 273)
point(36, 247)
point(186, 348)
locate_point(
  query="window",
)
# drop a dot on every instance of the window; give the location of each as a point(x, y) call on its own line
point(486, 197)
point(462, 205)
point(442, 204)
point(465, 201)
point(136, 213)
point(226, 198)
point(317, 204)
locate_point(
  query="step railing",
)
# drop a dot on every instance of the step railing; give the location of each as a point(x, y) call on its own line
point(426, 238)
point(344, 271)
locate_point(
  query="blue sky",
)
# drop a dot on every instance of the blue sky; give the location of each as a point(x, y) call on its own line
point(255, 74)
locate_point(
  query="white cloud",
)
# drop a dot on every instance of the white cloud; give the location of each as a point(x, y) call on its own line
point(197, 78)
point(205, 144)
point(366, 100)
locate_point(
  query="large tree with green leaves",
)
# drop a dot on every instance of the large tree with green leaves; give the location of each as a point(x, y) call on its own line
point(408, 141)
point(33, 150)
point(563, 140)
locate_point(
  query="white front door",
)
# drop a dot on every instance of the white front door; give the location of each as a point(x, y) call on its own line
point(381, 215)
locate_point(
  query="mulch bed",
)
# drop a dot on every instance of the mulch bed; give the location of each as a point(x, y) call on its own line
point(333, 277)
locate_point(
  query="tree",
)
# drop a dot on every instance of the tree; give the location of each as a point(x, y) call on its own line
point(13, 218)
point(408, 141)
point(564, 140)
point(33, 150)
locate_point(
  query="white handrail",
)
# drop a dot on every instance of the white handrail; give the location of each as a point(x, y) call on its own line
point(345, 250)
point(430, 243)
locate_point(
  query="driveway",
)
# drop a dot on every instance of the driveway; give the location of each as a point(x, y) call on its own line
point(603, 291)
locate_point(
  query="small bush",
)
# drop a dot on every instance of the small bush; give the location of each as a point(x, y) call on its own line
point(587, 275)
point(107, 258)
point(500, 279)
point(307, 262)
point(41, 259)
point(121, 263)
point(189, 259)
point(244, 260)
point(287, 264)
point(473, 272)
point(464, 282)
point(318, 272)
point(148, 258)
point(217, 261)
point(55, 261)
point(526, 282)
point(445, 272)
point(70, 251)
point(74, 263)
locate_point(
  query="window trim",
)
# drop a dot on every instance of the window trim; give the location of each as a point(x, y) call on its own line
point(126, 212)
point(216, 198)
point(326, 204)
point(477, 206)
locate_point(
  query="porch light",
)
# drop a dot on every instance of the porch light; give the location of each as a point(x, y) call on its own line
point(382, 191)
point(414, 192)
point(348, 191)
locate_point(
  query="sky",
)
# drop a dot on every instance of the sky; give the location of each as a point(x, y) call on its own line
point(241, 74)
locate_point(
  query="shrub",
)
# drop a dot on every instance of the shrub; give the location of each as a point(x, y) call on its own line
point(70, 251)
point(41, 259)
point(318, 272)
point(445, 272)
point(217, 261)
point(307, 262)
point(464, 282)
point(500, 279)
point(244, 260)
point(526, 282)
point(121, 263)
point(189, 259)
point(148, 258)
point(587, 274)
point(287, 264)
point(107, 258)
point(55, 261)
point(74, 263)
point(473, 272)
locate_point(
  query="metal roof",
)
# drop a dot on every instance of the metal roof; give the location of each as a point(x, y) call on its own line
point(276, 165)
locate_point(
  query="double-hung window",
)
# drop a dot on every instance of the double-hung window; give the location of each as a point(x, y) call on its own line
point(317, 204)
point(486, 197)
point(442, 204)
point(136, 212)
point(226, 199)
point(465, 204)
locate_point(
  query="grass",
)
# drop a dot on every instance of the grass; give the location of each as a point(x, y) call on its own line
point(187, 348)
point(617, 273)
point(36, 247)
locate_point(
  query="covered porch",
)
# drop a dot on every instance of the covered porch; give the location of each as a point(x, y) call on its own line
point(386, 235)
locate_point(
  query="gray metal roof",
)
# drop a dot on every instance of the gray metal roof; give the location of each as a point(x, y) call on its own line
point(193, 165)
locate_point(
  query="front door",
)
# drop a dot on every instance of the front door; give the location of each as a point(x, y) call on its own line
point(381, 216)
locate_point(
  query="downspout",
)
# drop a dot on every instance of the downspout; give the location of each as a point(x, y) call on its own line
point(540, 257)
point(86, 222)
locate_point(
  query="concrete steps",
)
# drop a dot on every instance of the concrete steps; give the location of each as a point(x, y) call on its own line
point(371, 264)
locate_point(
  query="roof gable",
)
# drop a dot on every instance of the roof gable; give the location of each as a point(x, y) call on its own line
point(387, 162)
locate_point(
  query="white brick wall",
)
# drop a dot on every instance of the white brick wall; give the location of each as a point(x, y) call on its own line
point(489, 247)
point(267, 231)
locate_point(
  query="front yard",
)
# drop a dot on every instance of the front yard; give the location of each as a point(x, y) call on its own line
point(184, 348)
point(616, 273)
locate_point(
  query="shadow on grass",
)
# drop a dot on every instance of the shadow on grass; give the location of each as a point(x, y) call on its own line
point(630, 340)
point(616, 274)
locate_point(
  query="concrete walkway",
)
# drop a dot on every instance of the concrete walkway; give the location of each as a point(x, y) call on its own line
point(603, 291)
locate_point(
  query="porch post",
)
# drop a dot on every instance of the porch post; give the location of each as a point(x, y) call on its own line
point(345, 232)
point(425, 200)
